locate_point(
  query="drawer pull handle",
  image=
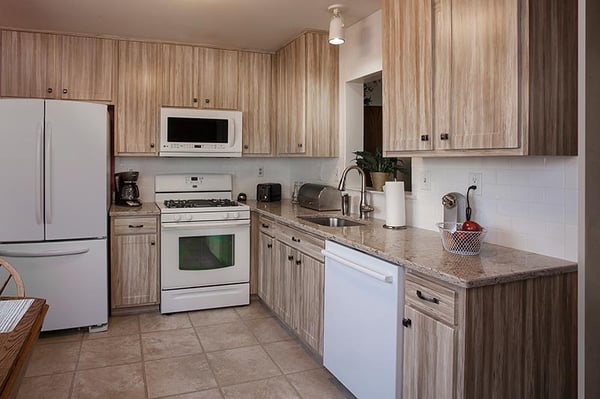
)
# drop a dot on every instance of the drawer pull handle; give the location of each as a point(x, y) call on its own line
point(406, 322)
point(298, 262)
point(290, 257)
point(424, 137)
point(423, 297)
point(444, 136)
point(295, 239)
point(136, 226)
point(265, 226)
point(269, 245)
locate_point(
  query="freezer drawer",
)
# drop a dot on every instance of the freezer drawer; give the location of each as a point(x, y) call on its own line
point(71, 275)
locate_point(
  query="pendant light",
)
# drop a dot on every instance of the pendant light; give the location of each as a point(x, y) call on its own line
point(336, 25)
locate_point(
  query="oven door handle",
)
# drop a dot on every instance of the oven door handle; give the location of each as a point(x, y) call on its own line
point(196, 225)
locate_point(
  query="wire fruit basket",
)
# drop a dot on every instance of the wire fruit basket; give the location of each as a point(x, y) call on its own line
point(460, 242)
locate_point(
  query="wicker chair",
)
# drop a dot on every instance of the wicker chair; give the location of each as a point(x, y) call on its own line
point(12, 273)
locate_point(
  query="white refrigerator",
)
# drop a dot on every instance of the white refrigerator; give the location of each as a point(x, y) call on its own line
point(53, 206)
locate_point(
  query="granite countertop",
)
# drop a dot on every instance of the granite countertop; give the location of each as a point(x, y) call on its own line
point(147, 209)
point(421, 250)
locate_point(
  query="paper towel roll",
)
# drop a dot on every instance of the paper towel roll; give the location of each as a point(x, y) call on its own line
point(395, 213)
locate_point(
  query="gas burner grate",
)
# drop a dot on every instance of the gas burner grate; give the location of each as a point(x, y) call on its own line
point(199, 203)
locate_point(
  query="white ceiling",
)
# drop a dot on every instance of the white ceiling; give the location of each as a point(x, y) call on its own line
point(243, 24)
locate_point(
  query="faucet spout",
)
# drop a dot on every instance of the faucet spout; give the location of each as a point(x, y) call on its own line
point(364, 208)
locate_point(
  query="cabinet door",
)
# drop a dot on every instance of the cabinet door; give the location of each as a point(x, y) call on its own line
point(265, 269)
point(477, 73)
point(87, 68)
point(322, 78)
point(217, 78)
point(30, 64)
point(254, 100)
point(407, 75)
point(309, 300)
point(291, 97)
point(428, 357)
point(134, 270)
point(283, 283)
point(177, 74)
point(137, 101)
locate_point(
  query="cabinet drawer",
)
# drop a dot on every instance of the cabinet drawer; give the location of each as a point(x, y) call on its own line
point(266, 225)
point(304, 242)
point(136, 225)
point(430, 298)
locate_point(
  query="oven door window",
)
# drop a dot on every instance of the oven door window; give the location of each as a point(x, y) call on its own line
point(206, 252)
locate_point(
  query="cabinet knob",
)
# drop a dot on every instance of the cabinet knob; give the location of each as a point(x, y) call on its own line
point(269, 245)
point(49, 90)
point(65, 91)
point(295, 239)
point(298, 262)
point(245, 146)
point(406, 322)
point(290, 257)
point(207, 100)
point(444, 136)
point(195, 100)
point(152, 243)
point(265, 226)
point(151, 145)
point(424, 137)
point(299, 145)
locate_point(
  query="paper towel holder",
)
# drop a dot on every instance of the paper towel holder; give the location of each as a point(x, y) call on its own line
point(385, 226)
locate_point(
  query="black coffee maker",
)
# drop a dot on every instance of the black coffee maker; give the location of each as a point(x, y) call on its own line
point(126, 190)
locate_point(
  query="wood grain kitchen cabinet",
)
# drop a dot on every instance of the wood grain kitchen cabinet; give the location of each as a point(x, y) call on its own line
point(307, 97)
point(30, 65)
point(64, 67)
point(455, 84)
point(509, 340)
point(137, 118)
point(134, 262)
point(217, 77)
point(291, 279)
point(255, 102)
point(178, 67)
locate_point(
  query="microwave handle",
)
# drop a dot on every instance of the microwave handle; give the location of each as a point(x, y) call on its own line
point(232, 129)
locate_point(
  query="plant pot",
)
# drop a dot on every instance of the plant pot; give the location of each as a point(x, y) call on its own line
point(379, 179)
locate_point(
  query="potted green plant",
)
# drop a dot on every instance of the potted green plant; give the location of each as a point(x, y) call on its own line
point(381, 169)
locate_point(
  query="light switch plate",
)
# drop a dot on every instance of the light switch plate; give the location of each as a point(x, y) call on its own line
point(426, 181)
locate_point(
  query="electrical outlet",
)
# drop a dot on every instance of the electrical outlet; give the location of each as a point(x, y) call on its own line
point(261, 171)
point(475, 179)
point(426, 181)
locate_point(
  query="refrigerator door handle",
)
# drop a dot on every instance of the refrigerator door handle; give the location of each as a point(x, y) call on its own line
point(49, 213)
point(44, 254)
point(39, 170)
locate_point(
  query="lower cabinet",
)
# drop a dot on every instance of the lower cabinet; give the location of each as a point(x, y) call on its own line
point(291, 280)
point(134, 262)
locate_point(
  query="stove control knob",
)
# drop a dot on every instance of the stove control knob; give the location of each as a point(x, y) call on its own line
point(177, 218)
point(235, 215)
point(188, 217)
point(225, 215)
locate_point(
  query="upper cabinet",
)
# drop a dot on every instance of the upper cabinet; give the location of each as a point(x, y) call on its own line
point(466, 77)
point(307, 97)
point(177, 74)
point(255, 102)
point(217, 72)
point(138, 99)
point(43, 65)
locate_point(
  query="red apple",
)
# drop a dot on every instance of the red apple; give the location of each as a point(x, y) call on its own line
point(470, 225)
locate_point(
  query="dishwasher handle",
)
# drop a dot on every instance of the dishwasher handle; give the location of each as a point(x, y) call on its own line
point(386, 278)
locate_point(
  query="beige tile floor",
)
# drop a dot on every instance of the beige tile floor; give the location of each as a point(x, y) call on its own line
point(238, 352)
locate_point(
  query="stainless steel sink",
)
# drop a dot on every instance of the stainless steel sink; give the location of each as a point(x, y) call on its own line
point(331, 221)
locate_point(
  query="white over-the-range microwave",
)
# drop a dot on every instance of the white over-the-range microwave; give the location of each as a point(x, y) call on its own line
point(186, 132)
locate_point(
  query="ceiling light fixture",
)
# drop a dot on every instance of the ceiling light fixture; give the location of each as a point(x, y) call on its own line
point(336, 25)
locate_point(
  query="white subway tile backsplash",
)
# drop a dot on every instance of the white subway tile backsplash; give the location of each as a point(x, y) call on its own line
point(528, 203)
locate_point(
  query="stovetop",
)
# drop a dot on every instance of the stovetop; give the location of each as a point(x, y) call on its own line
point(200, 203)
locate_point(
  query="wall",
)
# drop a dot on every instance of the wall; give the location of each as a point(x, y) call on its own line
point(529, 203)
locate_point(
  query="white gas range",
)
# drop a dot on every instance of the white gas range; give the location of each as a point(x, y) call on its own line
point(205, 243)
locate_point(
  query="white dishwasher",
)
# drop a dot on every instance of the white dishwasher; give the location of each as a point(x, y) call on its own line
point(363, 335)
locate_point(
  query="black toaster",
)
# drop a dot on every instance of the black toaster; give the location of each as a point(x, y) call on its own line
point(268, 192)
